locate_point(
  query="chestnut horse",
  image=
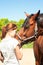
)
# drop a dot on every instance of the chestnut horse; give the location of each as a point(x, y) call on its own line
point(33, 28)
point(32, 21)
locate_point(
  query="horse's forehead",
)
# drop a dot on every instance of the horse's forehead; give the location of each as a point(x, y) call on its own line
point(31, 20)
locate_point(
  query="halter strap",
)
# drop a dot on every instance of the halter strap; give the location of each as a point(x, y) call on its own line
point(19, 36)
point(34, 36)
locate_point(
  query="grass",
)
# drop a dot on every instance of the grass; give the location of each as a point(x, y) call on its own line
point(29, 45)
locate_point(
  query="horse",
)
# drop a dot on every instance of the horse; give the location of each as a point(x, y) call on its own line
point(29, 32)
point(29, 28)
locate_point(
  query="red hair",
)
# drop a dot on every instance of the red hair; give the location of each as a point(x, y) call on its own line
point(6, 28)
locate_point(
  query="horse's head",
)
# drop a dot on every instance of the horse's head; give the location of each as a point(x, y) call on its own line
point(38, 19)
point(28, 28)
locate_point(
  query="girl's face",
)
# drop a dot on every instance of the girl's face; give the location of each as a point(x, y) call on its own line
point(12, 33)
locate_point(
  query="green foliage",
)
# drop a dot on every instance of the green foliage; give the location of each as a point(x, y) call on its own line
point(29, 45)
point(19, 23)
point(3, 22)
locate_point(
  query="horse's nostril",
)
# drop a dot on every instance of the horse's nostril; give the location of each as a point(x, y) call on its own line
point(24, 35)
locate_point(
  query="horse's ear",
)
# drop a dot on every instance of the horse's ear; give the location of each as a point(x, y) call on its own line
point(37, 14)
point(26, 14)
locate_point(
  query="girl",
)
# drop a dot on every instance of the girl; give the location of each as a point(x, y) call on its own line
point(9, 46)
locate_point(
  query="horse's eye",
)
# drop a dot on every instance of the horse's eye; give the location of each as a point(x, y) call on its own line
point(27, 26)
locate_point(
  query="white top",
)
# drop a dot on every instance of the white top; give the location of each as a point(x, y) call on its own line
point(7, 47)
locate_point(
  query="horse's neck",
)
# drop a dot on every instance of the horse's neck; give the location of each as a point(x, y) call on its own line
point(40, 39)
point(40, 31)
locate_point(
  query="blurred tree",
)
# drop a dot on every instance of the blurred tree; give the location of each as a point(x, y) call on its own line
point(19, 23)
point(3, 22)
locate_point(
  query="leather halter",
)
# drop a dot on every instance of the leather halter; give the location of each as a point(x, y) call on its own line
point(29, 38)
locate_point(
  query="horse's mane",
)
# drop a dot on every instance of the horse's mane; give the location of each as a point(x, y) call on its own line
point(26, 22)
point(41, 15)
point(40, 20)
